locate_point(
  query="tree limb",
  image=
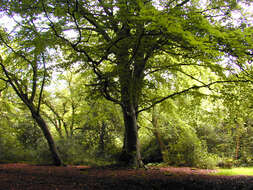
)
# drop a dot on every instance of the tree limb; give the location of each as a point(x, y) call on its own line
point(89, 17)
point(74, 46)
point(43, 83)
point(17, 89)
point(187, 90)
point(183, 3)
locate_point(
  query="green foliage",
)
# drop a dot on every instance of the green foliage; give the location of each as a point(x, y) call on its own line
point(28, 134)
point(75, 153)
point(184, 148)
point(207, 160)
point(226, 163)
point(150, 151)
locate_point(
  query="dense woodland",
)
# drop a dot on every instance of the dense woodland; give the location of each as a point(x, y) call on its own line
point(126, 82)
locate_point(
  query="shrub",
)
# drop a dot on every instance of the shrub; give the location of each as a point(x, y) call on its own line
point(207, 161)
point(184, 149)
point(150, 152)
point(226, 163)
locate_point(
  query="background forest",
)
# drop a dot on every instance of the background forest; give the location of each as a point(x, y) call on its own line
point(103, 82)
point(201, 129)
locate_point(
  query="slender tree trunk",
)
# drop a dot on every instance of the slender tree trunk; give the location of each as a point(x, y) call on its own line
point(237, 147)
point(102, 139)
point(65, 129)
point(163, 150)
point(237, 141)
point(57, 125)
point(131, 155)
point(71, 128)
point(42, 124)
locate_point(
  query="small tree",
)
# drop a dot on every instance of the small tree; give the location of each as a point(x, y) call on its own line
point(23, 67)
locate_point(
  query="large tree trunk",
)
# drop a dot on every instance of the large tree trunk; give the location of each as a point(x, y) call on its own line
point(131, 155)
point(42, 124)
point(131, 74)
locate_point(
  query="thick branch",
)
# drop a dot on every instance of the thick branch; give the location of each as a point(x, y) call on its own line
point(17, 86)
point(53, 110)
point(183, 3)
point(72, 14)
point(109, 97)
point(90, 18)
point(14, 51)
point(110, 15)
point(34, 81)
point(17, 89)
point(43, 83)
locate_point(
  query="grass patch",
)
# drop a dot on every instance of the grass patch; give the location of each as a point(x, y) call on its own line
point(235, 171)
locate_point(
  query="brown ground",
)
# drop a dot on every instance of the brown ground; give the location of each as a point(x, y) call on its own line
point(27, 177)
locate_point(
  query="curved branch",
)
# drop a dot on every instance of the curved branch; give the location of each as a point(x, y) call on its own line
point(15, 52)
point(72, 14)
point(74, 46)
point(90, 18)
point(106, 94)
point(192, 77)
point(17, 88)
point(187, 90)
point(183, 3)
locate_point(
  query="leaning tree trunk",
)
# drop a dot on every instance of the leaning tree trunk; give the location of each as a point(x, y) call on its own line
point(43, 126)
point(131, 155)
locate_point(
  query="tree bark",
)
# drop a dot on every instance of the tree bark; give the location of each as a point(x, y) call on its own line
point(131, 155)
point(43, 126)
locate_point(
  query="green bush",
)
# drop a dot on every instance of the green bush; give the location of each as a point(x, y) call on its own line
point(74, 153)
point(184, 149)
point(10, 150)
point(226, 163)
point(245, 161)
point(43, 155)
point(207, 161)
point(150, 152)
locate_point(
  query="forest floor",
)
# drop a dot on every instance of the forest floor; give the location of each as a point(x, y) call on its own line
point(29, 177)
